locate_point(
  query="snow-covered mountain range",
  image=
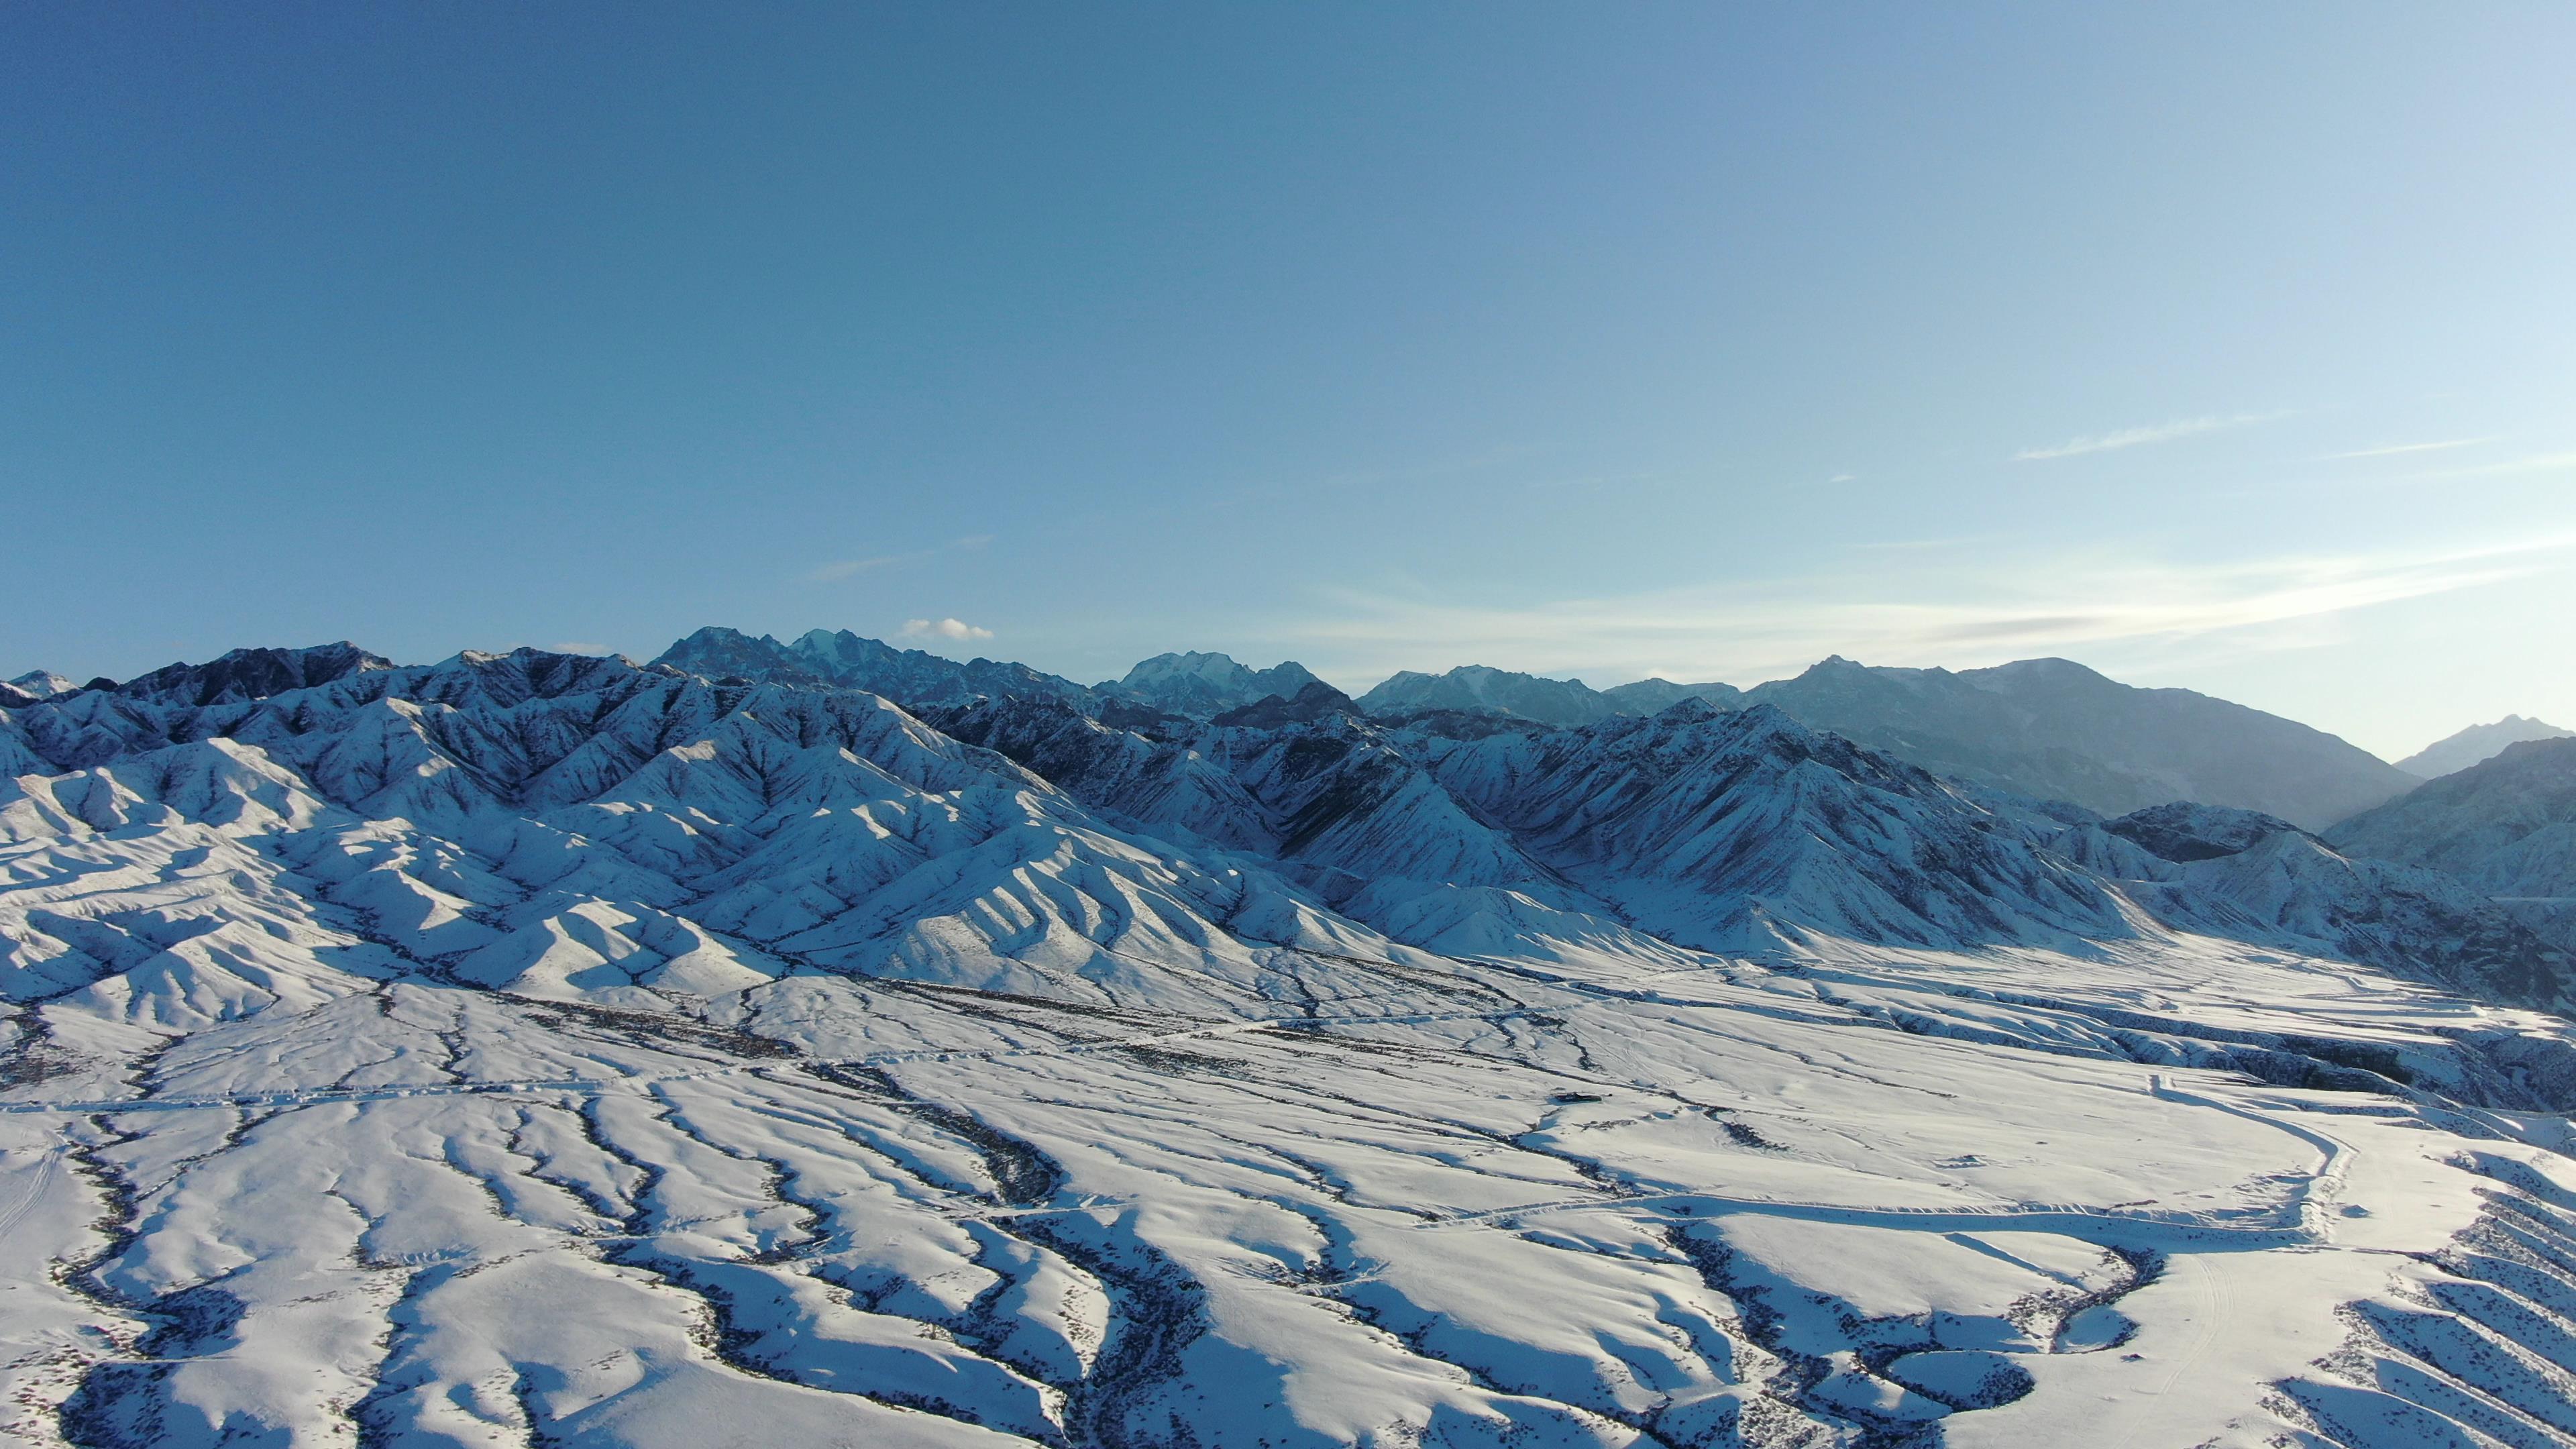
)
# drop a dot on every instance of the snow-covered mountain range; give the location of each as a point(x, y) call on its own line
point(2044, 728)
point(2054, 729)
point(548, 1049)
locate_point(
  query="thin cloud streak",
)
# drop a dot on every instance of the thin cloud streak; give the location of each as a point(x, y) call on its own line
point(845, 568)
point(2536, 463)
point(1748, 633)
point(2139, 437)
point(2394, 449)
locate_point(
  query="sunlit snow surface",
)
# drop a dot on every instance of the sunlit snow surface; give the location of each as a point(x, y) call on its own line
point(677, 1068)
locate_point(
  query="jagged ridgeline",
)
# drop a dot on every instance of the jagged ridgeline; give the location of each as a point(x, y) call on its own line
point(869, 1047)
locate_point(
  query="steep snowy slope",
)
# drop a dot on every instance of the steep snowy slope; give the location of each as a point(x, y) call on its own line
point(1173, 787)
point(2252, 877)
point(1340, 804)
point(2476, 744)
point(1744, 831)
point(1730, 830)
point(548, 1050)
point(828, 827)
point(2506, 826)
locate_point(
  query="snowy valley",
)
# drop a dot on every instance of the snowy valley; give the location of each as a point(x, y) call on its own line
point(824, 1043)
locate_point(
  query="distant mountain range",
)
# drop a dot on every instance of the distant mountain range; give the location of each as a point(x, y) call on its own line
point(2045, 729)
point(2477, 743)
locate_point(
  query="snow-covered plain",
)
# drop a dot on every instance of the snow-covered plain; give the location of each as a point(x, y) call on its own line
point(542, 1050)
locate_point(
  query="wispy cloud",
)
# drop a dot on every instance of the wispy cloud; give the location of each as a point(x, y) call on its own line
point(2138, 437)
point(2535, 463)
point(1881, 611)
point(1377, 479)
point(1591, 482)
point(943, 629)
point(2393, 449)
point(1954, 540)
point(845, 568)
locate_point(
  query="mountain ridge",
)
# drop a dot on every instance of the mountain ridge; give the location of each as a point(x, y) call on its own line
point(2038, 728)
point(2477, 743)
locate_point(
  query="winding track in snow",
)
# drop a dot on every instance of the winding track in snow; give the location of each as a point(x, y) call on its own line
point(318, 1096)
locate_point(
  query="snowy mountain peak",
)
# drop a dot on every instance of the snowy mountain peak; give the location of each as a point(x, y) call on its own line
point(42, 684)
point(2477, 743)
point(248, 674)
point(1692, 709)
point(2051, 669)
point(1479, 687)
point(1214, 668)
point(1200, 685)
point(716, 652)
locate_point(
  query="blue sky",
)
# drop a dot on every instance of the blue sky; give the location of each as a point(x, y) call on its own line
point(2219, 346)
